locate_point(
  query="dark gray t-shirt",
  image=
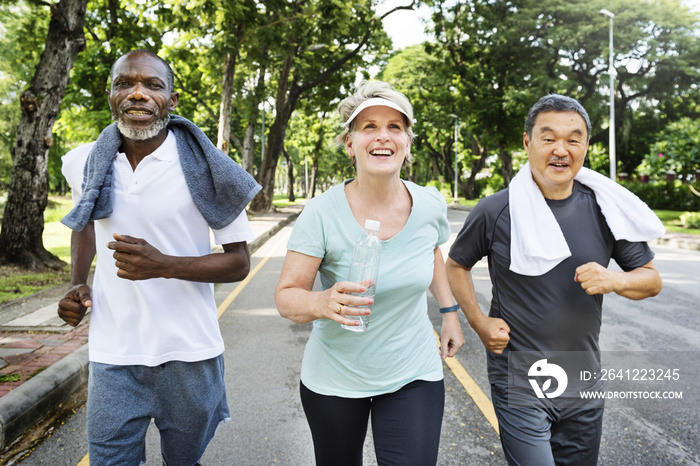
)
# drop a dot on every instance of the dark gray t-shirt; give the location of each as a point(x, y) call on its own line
point(550, 312)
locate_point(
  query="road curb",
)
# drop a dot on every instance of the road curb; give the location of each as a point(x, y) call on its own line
point(690, 243)
point(260, 240)
point(23, 407)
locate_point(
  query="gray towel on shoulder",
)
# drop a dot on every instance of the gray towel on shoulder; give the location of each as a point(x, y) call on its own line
point(220, 188)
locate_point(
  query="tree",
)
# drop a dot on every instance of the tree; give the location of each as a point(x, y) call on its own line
point(309, 145)
point(221, 55)
point(213, 38)
point(490, 50)
point(664, 43)
point(325, 38)
point(23, 221)
point(656, 56)
point(505, 54)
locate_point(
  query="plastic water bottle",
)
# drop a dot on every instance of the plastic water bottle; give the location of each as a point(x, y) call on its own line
point(365, 268)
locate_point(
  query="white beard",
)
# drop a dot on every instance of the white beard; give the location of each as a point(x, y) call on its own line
point(141, 134)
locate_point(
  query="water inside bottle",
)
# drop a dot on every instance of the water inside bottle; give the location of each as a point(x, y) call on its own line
point(364, 320)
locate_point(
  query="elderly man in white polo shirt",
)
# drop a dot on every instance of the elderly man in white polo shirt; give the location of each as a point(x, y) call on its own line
point(147, 193)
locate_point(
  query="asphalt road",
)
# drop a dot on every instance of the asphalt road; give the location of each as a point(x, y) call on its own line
point(264, 352)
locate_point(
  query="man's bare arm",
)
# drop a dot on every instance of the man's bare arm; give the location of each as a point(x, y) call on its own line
point(493, 332)
point(642, 282)
point(136, 259)
point(73, 306)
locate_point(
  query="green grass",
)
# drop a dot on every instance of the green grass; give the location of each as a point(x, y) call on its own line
point(467, 202)
point(57, 208)
point(672, 221)
point(9, 378)
point(16, 283)
point(57, 240)
point(282, 200)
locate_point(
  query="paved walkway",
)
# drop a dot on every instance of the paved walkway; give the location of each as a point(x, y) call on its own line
point(23, 355)
point(33, 337)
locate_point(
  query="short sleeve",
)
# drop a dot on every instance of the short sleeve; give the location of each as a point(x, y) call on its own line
point(474, 240)
point(308, 235)
point(631, 255)
point(442, 224)
point(235, 232)
point(72, 166)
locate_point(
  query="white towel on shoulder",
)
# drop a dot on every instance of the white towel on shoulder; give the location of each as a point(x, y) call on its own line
point(537, 242)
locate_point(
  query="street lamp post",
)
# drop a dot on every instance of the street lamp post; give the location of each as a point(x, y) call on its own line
point(611, 72)
point(456, 135)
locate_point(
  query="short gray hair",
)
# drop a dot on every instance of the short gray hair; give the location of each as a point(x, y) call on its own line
point(556, 103)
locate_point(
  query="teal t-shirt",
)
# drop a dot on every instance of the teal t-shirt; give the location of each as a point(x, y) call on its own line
point(399, 345)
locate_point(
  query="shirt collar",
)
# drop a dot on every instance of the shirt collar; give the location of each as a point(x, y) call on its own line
point(166, 152)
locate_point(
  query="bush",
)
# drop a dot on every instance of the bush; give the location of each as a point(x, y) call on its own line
point(690, 220)
point(665, 195)
point(437, 184)
point(598, 159)
point(677, 149)
point(490, 185)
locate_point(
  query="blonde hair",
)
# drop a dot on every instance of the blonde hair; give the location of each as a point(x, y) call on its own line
point(367, 90)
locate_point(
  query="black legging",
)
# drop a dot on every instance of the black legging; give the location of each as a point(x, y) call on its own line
point(405, 425)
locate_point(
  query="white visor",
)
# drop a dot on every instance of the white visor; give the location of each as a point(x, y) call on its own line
point(375, 102)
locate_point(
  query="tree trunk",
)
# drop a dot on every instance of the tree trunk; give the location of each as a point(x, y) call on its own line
point(449, 170)
point(506, 164)
point(23, 222)
point(314, 173)
point(285, 103)
point(248, 158)
point(248, 150)
point(314, 165)
point(477, 166)
point(290, 176)
point(266, 176)
point(223, 139)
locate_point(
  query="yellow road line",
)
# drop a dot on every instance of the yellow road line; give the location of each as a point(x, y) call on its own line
point(234, 294)
point(220, 310)
point(473, 390)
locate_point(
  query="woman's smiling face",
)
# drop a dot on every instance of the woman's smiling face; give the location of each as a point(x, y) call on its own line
point(378, 141)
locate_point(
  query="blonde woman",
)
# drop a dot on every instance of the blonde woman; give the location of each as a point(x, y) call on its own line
point(392, 372)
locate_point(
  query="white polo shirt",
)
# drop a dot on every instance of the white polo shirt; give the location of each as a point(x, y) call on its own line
point(149, 322)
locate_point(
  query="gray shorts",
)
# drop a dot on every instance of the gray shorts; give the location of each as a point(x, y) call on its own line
point(544, 435)
point(187, 400)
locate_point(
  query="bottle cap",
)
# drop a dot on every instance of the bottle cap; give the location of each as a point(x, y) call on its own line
point(372, 225)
